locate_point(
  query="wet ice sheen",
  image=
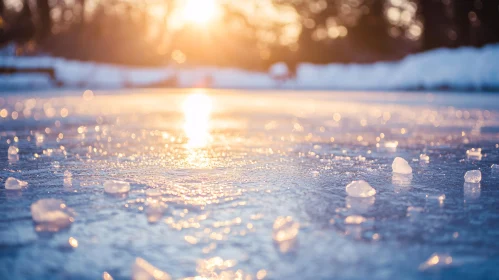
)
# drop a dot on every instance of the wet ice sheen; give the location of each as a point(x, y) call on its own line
point(51, 214)
point(401, 166)
point(212, 210)
point(116, 187)
point(473, 176)
point(360, 189)
point(14, 184)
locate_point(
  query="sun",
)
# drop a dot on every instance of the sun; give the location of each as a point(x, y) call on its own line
point(200, 11)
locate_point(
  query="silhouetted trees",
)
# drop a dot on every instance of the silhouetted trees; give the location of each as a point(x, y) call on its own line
point(142, 32)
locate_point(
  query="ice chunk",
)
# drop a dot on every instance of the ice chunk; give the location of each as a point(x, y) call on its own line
point(51, 214)
point(142, 270)
point(13, 151)
point(12, 154)
point(474, 152)
point(285, 232)
point(401, 166)
point(14, 184)
point(360, 189)
point(436, 260)
point(473, 176)
point(116, 187)
point(424, 157)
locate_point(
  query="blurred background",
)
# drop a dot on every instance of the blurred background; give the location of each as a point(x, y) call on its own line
point(247, 34)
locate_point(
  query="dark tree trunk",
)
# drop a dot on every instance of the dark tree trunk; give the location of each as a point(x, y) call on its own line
point(45, 24)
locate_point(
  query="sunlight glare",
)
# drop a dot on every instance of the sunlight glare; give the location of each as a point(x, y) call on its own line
point(197, 110)
point(200, 11)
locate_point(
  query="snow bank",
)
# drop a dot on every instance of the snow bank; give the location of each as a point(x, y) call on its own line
point(463, 68)
point(459, 69)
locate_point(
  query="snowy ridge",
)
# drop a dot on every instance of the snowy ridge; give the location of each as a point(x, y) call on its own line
point(458, 69)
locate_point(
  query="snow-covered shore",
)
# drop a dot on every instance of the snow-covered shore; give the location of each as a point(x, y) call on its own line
point(457, 69)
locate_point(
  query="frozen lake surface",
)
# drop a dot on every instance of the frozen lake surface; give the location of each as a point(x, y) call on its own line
point(248, 185)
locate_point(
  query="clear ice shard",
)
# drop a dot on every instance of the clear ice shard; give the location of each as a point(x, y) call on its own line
point(360, 189)
point(142, 270)
point(51, 214)
point(424, 157)
point(473, 176)
point(14, 184)
point(401, 166)
point(116, 187)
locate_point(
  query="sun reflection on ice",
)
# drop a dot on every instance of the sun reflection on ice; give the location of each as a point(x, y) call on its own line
point(197, 111)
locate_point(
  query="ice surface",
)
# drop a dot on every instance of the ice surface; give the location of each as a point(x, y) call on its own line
point(254, 162)
point(153, 192)
point(436, 260)
point(414, 210)
point(360, 189)
point(142, 270)
point(401, 166)
point(473, 176)
point(116, 187)
point(285, 233)
point(51, 214)
point(155, 210)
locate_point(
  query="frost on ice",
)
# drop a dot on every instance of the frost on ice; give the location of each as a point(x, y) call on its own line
point(51, 214)
point(142, 270)
point(360, 189)
point(14, 184)
point(116, 187)
point(285, 231)
point(401, 166)
point(473, 176)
